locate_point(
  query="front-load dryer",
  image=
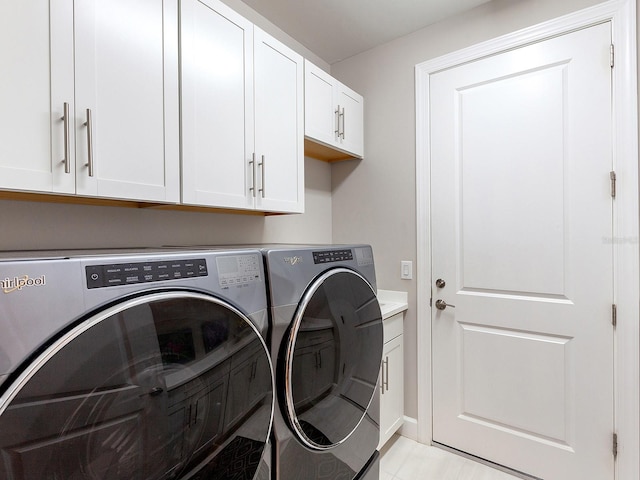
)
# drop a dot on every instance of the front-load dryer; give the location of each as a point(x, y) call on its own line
point(134, 365)
point(326, 346)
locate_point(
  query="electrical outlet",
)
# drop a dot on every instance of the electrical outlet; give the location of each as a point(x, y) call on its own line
point(406, 270)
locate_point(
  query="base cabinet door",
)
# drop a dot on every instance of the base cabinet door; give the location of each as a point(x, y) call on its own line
point(392, 380)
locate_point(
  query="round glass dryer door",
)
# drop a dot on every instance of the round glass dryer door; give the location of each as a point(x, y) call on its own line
point(164, 386)
point(333, 358)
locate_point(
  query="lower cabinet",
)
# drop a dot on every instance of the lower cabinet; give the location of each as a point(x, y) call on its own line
point(392, 379)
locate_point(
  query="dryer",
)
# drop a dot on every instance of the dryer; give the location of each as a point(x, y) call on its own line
point(326, 347)
point(134, 364)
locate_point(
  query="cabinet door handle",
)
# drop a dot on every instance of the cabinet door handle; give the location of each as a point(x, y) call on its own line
point(262, 189)
point(337, 130)
point(65, 119)
point(386, 376)
point(342, 115)
point(252, 162)
point(89, 163)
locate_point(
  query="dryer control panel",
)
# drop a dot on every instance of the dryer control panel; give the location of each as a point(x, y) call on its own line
point(115, 274)
point(329, 256)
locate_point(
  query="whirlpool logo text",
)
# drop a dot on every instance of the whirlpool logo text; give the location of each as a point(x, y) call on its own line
point(9, 285)
point(293, 260)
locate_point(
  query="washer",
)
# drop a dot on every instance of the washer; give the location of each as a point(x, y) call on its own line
point(326, 346)
point(134, 364)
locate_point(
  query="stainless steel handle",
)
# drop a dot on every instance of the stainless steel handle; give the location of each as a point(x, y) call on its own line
point(342, 115)
point(440, 283)
point(89, 163)
point(385, 375)
point(337, 130)
point(441, 305)
point(261, 189)
point(252, 162)
point(65, 119)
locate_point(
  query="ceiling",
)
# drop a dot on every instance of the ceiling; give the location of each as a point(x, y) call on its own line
point(338, 29)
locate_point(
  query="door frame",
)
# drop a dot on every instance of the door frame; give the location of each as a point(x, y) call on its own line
point(626, 211)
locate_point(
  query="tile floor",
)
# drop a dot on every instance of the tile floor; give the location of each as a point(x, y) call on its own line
point(404, 459)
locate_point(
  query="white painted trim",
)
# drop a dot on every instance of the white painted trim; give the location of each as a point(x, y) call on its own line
point(409, 428)
point(622, 14)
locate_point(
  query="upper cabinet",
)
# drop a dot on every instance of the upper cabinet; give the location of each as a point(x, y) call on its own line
point(89, 95)
point(36, 151)
point(333, 117)
point(279, 123)
point(242, 113)
point(126, 101)
point(216, 74)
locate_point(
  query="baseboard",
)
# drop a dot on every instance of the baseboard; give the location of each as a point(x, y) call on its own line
point(409, 428)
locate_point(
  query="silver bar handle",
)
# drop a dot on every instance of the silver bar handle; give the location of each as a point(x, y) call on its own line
point(262, 189)
point(342, 115)
point(252, 162)
point(337, 130)
point(385, 374)
point(65, 119)
point(89, 163)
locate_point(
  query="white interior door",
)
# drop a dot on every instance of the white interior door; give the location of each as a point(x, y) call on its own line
point(521, 153)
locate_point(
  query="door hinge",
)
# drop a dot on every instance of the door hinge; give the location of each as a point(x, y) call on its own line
point(612, 176)
point(614, 315)
point(611, 55)
point(615, 445)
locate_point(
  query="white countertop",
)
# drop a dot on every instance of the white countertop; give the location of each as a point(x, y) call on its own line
point(392, 302)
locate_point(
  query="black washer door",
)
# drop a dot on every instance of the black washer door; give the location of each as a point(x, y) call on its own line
point(333, 358)
point(157, 387)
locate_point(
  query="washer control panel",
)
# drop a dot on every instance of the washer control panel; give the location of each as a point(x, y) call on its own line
point(114, 274)
point(237, 270)
point(329, 256)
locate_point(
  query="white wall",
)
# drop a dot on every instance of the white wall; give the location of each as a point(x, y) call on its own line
point(374, 199)
point(34, 225)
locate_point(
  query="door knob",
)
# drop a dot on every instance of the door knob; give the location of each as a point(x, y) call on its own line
point(441, 305)
point(440, 283)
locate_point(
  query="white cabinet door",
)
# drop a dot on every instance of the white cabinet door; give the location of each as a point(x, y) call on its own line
point(351, 113)
point(126, 109)
point(320, 111)
point(392, 379)
point(279, 110)
point(36, 82)
point(333, 112)
point(216, 48)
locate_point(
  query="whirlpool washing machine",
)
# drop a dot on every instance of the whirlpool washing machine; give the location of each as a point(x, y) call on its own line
point(326, 347)
point(134, 365)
